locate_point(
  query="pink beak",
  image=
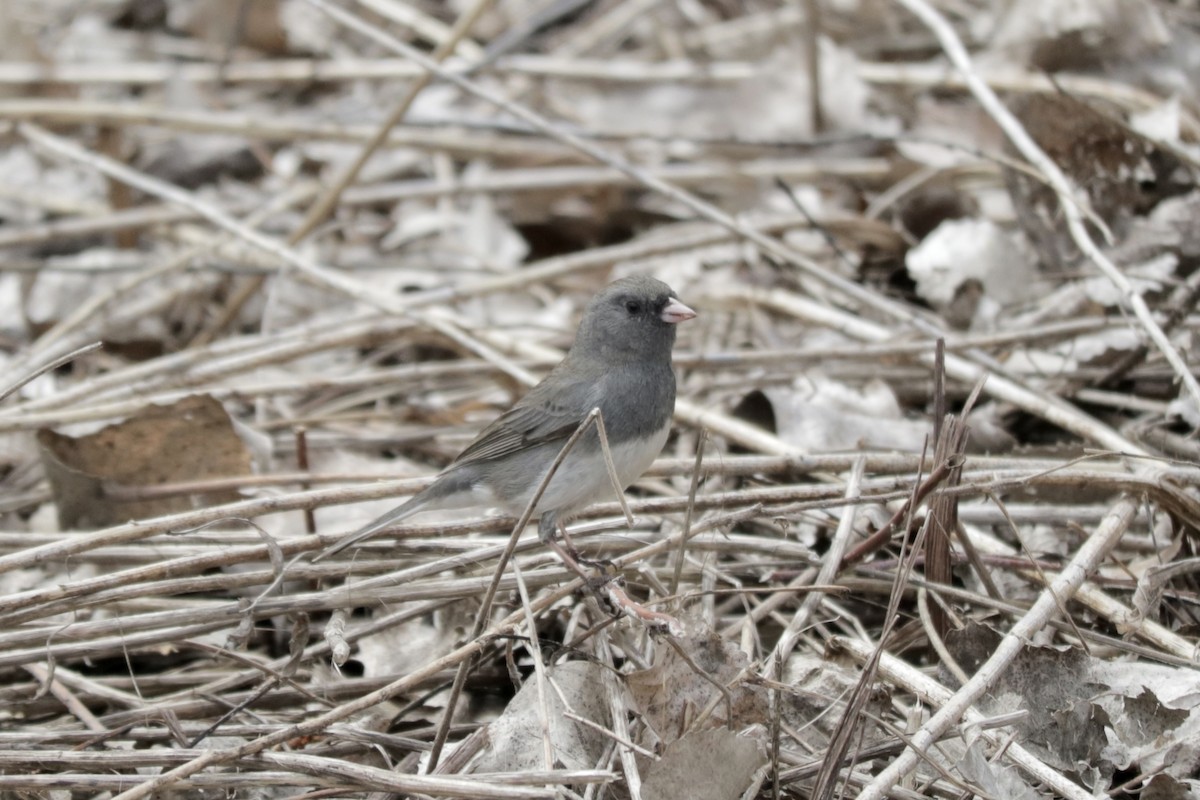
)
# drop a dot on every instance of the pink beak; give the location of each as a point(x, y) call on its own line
point(676, 312)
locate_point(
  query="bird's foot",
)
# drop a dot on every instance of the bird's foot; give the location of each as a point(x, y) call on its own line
point(550, 527)
point(602, 564)
point(569, 556)
point(607, 587)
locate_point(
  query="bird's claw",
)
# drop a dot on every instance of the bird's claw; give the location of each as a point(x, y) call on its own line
point(602, 564)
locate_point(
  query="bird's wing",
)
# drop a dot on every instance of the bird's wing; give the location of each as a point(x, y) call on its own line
point(551, 411)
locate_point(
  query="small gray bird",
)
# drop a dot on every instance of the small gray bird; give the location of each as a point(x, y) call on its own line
point(620, 363)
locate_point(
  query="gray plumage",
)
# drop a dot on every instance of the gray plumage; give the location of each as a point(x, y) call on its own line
point(621, 363)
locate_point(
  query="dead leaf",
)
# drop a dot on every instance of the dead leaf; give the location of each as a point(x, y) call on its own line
point(960, 250)
point(190, 440)
point(1093, 716)
point(820, 414)
point(228, 23)
point(1049, 683)
point(672, 695)
point(517, 736)
point(1121, 172)
point(820, 688)
point(716, 764)
point(996, 780)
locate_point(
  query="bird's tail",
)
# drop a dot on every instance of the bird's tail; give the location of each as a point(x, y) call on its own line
point(434, 496)
point(373, 527)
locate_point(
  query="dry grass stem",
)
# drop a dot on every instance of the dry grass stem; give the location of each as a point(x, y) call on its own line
point(268, 267)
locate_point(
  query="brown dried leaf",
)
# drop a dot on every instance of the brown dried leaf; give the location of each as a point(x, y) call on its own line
point(1051, 684)
point(821, 686)
point(671, 695)
point(191, 440)
point(706, 765)
point(1122, 173)
point(227, 23)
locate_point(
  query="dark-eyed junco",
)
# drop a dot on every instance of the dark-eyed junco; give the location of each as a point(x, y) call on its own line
point(620, 363)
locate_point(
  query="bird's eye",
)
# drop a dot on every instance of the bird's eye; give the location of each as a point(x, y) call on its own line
point(633, 306)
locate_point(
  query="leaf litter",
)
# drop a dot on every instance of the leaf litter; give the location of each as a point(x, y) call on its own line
point(258, 394)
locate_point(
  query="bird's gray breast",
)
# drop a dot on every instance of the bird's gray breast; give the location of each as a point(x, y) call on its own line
point(637, 401)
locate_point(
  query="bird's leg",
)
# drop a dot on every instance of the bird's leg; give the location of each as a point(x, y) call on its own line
point(603, 585)
point(562, 531)
point(548, 526)
point(568, 557)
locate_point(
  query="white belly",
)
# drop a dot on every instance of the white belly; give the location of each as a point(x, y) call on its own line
point(584, 479)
